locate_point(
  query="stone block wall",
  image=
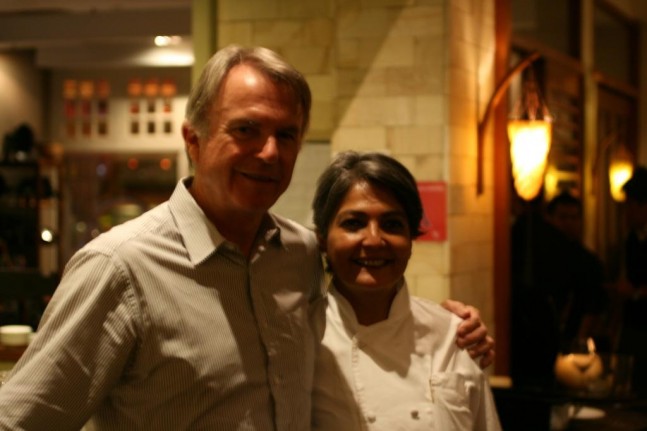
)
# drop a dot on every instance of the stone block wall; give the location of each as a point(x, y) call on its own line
point(470, 42)
point(406, 77)
point(302, 32)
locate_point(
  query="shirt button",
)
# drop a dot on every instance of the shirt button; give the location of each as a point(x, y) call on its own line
point(371, 418)
point(415, 414)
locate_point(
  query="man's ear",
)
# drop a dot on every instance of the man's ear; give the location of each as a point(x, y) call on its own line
point(191, 142)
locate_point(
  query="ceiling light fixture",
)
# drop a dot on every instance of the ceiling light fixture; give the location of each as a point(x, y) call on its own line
point(163, 40)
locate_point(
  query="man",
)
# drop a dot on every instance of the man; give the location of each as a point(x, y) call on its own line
point(633, 286)
point(557, 289)
point(195, 315)
point(585, 309)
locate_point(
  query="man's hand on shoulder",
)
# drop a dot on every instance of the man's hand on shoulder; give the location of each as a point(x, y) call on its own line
point(472, 332)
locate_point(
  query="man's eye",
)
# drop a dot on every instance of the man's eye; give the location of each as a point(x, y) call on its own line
point(287, 136)
point(243, 131)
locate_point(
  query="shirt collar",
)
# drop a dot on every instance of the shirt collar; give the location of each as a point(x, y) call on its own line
point(201, 238)
point(271, 230)
point(400, 308)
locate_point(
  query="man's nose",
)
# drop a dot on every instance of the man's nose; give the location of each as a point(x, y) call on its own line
point(270, 150)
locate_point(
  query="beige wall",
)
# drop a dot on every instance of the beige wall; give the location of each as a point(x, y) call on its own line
point(302, 31)
point(21, 93)
point(470, 40)
point(405, 77)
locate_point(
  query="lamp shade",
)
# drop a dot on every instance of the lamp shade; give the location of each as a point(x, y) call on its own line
point(529, 147)
point(621, 168)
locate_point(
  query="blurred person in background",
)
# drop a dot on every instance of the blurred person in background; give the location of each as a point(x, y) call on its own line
point(557, 289)
point(632, 285)
point(586, 313)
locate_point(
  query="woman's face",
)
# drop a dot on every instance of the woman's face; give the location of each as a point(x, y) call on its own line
point(369, 241)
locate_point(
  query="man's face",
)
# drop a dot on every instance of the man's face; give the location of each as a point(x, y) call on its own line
point(246, 162)
point(568, 219)
point(636, 214)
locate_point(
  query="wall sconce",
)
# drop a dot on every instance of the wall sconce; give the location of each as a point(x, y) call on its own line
point(529, 134)
point(620, 161)
point(621, 168)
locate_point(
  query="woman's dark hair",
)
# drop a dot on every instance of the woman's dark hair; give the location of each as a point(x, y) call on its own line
point(377, 169)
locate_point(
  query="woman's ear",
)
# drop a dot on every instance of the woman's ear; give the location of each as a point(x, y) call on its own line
point(324, 256)
point(322, 243)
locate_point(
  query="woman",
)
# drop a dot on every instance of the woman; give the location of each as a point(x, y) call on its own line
point(388, 361)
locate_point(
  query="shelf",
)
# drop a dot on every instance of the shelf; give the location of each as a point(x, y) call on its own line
point(18, 284)
point(23, 212)
point(27, 205)
point(20, 165)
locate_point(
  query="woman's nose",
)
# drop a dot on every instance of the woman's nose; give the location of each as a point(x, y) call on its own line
point(373, 235)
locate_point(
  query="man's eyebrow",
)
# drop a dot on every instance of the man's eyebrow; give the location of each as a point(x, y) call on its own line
point(292, 129)
point(241, 121)
point(238, 123)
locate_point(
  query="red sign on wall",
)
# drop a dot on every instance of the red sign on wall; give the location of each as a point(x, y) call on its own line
point(434, 203)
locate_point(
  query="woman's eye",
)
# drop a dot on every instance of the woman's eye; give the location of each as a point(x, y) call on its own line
point(394, 225)
point(351, 224)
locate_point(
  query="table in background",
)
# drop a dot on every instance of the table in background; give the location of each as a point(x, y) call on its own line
point(616, 419)
point(9, 355)
point(530, 410)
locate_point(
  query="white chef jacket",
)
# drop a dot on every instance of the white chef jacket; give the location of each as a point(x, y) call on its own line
point(403, 373)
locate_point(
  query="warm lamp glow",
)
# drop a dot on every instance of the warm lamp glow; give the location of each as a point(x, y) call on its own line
point(580, 369)
point(621, 168)
point(551, 182)
point(529, 146)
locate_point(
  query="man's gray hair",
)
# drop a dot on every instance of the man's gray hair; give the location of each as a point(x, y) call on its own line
point(204, 92)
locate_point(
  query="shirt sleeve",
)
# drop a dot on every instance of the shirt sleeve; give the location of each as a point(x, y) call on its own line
point(82, 347)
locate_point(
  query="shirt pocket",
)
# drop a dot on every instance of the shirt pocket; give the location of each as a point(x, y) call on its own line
point(450, 400)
